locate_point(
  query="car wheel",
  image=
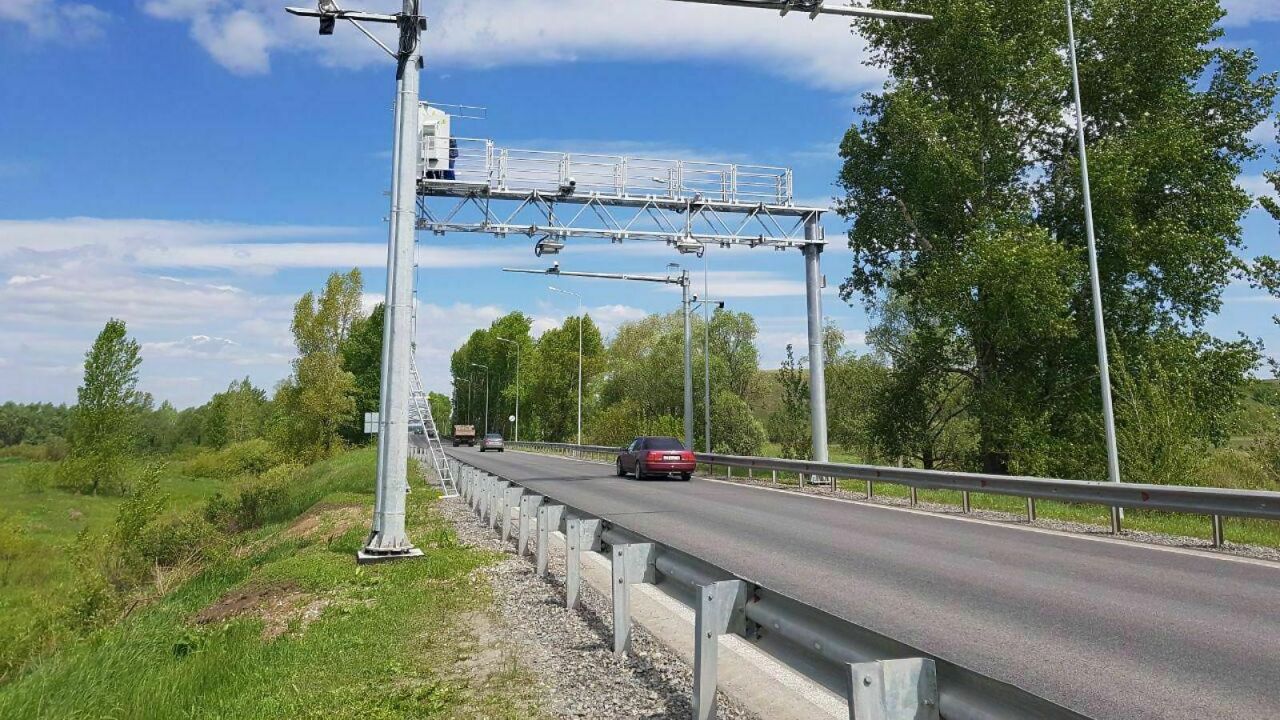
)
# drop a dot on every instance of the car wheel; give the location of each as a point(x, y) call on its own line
point(618, 468)
point(686, 476)
point(640, 474)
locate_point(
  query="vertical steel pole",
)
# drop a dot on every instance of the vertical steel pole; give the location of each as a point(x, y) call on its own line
point(706, 356)
point(688, 361)
point(486, 401)
point(817, 360)
point(517, 392)
point(1099, 327)
point(388, 536)
point(581, 320)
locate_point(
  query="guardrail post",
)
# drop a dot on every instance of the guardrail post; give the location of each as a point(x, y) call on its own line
point(548, 522)
point(904, 689)
point(915, 497)
point(965, 504)
point(720, 610)
point(482, 493)
point(1218, 533)
point(632, 563)
point(511, 502)
point(496, 501)
point(1031, 510)
point(529, 509)
point(751, 474)
point(581, 534)
point(775, 477)
point(1115, 520)
point(871, 490)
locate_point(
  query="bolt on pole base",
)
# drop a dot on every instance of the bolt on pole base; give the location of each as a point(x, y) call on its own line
point(365, 557)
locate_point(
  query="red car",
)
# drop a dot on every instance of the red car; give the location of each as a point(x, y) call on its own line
point(648, 456)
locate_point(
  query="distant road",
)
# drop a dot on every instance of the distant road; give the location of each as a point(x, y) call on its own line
point(1116, 631)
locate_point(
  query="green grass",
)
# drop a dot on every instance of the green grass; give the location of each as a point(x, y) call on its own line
point(385, 644)
point(36, 575)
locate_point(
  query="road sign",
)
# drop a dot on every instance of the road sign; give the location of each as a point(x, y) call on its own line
point(371, 423)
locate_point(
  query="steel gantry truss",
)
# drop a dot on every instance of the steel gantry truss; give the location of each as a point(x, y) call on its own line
point(554, 197)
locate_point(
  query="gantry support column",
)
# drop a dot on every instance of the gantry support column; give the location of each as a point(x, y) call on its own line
point(387, 537)
point(817, 360)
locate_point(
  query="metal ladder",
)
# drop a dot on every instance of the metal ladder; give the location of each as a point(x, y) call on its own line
point(420, 416)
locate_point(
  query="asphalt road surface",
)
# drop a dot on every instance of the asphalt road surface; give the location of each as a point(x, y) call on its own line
point(1115, 631)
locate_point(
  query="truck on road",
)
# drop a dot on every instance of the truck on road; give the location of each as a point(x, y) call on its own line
point(464, 434)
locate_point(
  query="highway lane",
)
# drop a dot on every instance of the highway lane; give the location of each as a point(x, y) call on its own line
point(1112, 630)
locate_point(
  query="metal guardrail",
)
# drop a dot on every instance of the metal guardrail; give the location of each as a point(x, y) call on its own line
point(884, 679)
point(1217, 503)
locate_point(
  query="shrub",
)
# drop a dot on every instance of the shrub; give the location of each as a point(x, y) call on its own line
point(1231, 468)
point(35, 477)
point(250, 457)
point(93, 474)
point(256, 501)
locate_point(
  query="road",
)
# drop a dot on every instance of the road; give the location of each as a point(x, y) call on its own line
point(1113, 630)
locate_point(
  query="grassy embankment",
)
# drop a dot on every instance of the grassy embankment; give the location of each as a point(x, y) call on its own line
point(278, 622)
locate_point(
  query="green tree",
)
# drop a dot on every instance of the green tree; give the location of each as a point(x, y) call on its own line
point(362, 357)
point(789, 424)
point(312, 404)
point(441, 409)
point(235, 415)
point(963, 187)
point(552, 378)
point(107, 404)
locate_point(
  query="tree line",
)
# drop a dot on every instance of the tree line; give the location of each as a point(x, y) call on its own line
point(314, 412)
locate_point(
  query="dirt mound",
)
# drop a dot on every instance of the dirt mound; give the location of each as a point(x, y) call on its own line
point(326, 521)
point(279, 606)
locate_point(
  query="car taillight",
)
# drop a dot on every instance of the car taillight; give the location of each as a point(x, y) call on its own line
point(656, 454)
point(686, 455)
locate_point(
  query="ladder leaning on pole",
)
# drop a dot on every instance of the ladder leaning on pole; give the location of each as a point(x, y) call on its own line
point(420, 416)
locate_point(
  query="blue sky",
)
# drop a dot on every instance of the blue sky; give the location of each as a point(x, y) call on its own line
point(192, 166)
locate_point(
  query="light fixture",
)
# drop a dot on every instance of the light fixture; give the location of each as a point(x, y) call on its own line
point(548, 246)
point(689, 246)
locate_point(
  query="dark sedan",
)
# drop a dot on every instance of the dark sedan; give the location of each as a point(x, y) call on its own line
point(664, 456)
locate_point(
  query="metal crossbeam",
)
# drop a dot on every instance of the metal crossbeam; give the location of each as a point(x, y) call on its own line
point(688, 226)
point(554, 196)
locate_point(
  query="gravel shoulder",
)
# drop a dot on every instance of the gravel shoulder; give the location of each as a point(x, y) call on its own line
point(570, 653)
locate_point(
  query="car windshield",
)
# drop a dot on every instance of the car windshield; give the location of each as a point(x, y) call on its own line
point(663, 444)
point(493, 436)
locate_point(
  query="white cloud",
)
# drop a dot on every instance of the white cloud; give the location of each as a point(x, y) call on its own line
point(241, 34)
point(129, 234)
point(55, 20)
point(748, 284)
point(1258, 186)
point(1265, 133)
point(240, 42)
point(1247, 12)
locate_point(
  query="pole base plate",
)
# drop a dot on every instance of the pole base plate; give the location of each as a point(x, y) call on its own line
point(364, 557)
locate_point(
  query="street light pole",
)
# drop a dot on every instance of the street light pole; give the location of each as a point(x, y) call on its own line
point(706, 356)
point(684, 281)
point(387, 536)
point(580, 323)
point(687, 305)
point(486, 396)
point(1095, 282)
point(516, 345)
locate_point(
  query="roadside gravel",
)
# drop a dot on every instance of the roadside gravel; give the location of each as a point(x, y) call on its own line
point(570, 653)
